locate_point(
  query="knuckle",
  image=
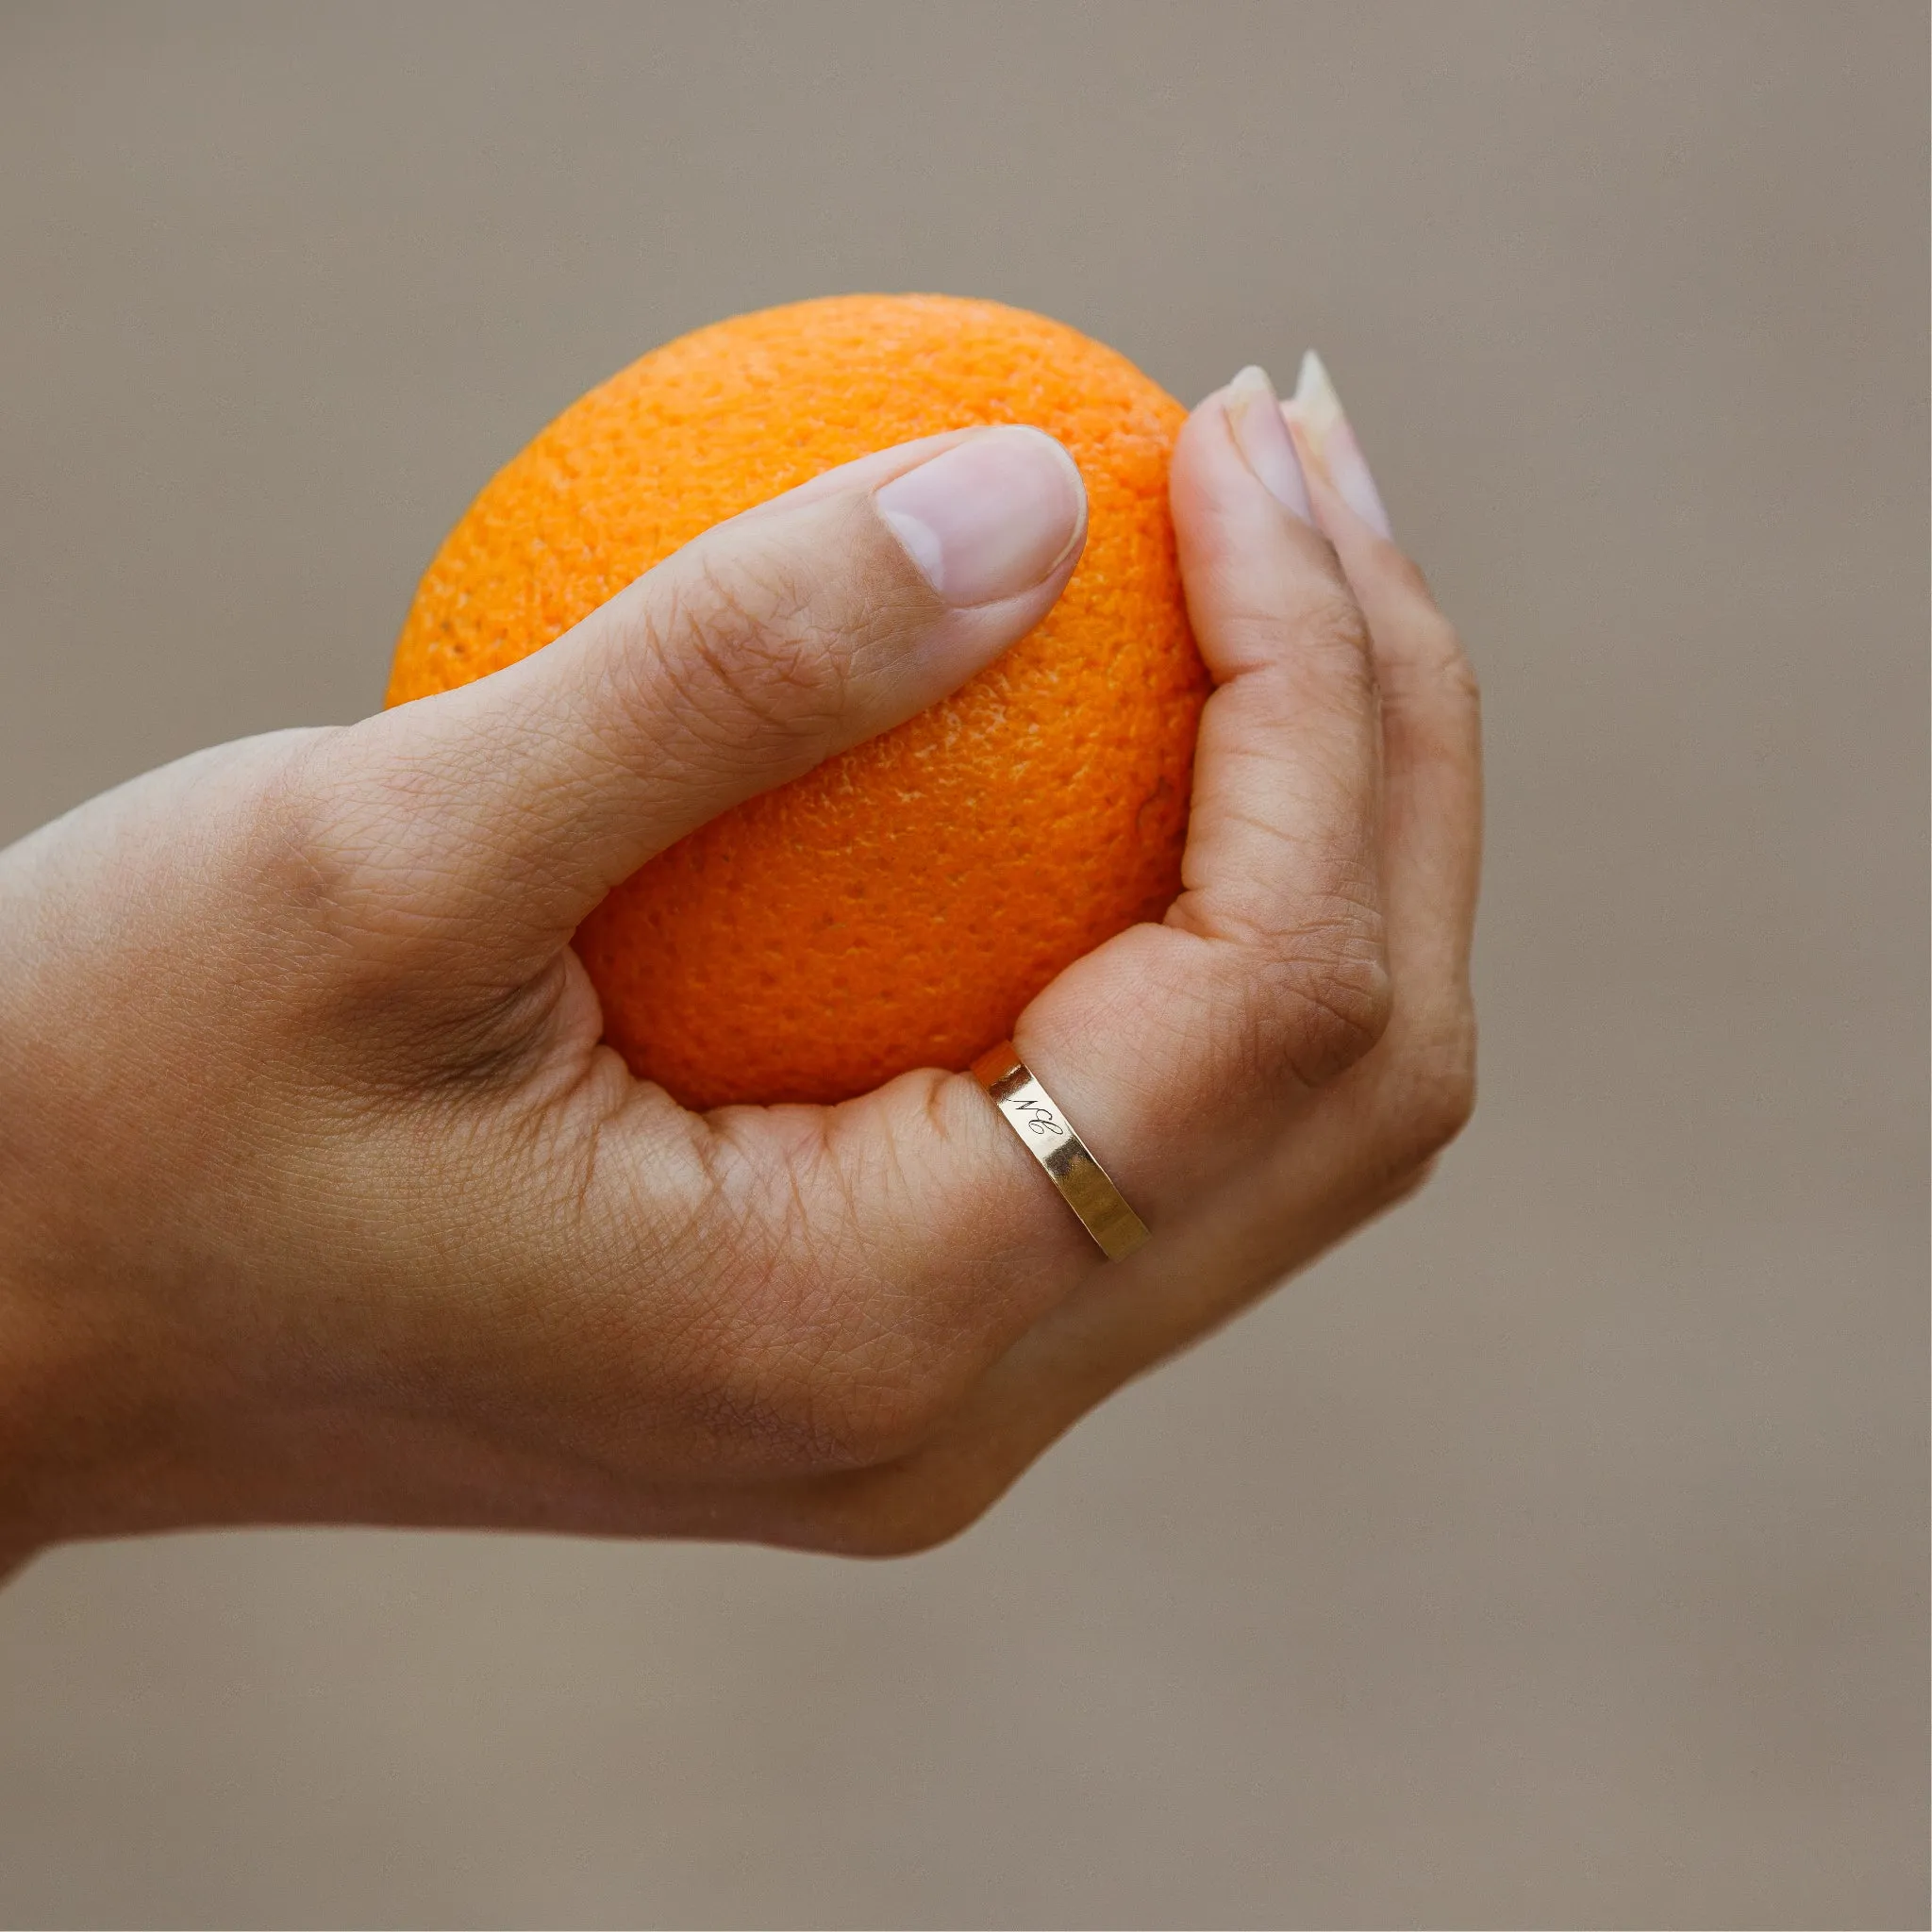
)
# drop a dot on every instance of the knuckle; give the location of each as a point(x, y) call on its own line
point(1315, 631)
point(1409, 577)
point(1436, 664)
point(745, 649)
point(927, 1524)
point(1321, 995)
point(1332, 629)
point(304, 837)
point(362, 911)
point(1434, 1097)
point(366, 895)
point(811, 1412)
point(333, 842)
point(1458, 673)
point(878, 1417)
point(1337, 1002)
point(906, 1512)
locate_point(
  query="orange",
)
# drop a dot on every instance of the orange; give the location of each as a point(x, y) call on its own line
point(899, 906)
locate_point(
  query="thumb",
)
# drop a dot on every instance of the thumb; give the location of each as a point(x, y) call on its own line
point(513, 805)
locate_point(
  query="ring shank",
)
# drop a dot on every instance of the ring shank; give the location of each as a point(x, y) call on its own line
point(1046, 1134)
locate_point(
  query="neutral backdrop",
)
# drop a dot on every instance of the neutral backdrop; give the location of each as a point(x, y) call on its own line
point(1553, 1554)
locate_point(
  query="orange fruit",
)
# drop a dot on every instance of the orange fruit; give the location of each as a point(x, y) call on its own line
point(899, 906)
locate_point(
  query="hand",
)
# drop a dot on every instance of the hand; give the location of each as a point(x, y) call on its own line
point(320, 1202)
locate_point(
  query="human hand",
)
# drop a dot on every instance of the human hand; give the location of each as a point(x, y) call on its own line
point(320, 1202)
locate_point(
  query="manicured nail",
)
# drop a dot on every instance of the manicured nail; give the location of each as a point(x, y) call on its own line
point(1253, 414)
point(990, 516)
point(1329, 444)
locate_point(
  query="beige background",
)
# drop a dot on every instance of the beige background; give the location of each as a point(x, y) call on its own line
point(1552, 1556)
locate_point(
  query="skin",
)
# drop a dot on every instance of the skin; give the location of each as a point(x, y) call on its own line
point(320, 1201)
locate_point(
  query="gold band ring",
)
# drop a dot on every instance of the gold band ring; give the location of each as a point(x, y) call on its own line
point(1049, 1137)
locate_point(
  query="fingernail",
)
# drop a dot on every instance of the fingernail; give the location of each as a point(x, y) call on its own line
point(1329, 444)
point(1253, 414)
point(990, 516)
